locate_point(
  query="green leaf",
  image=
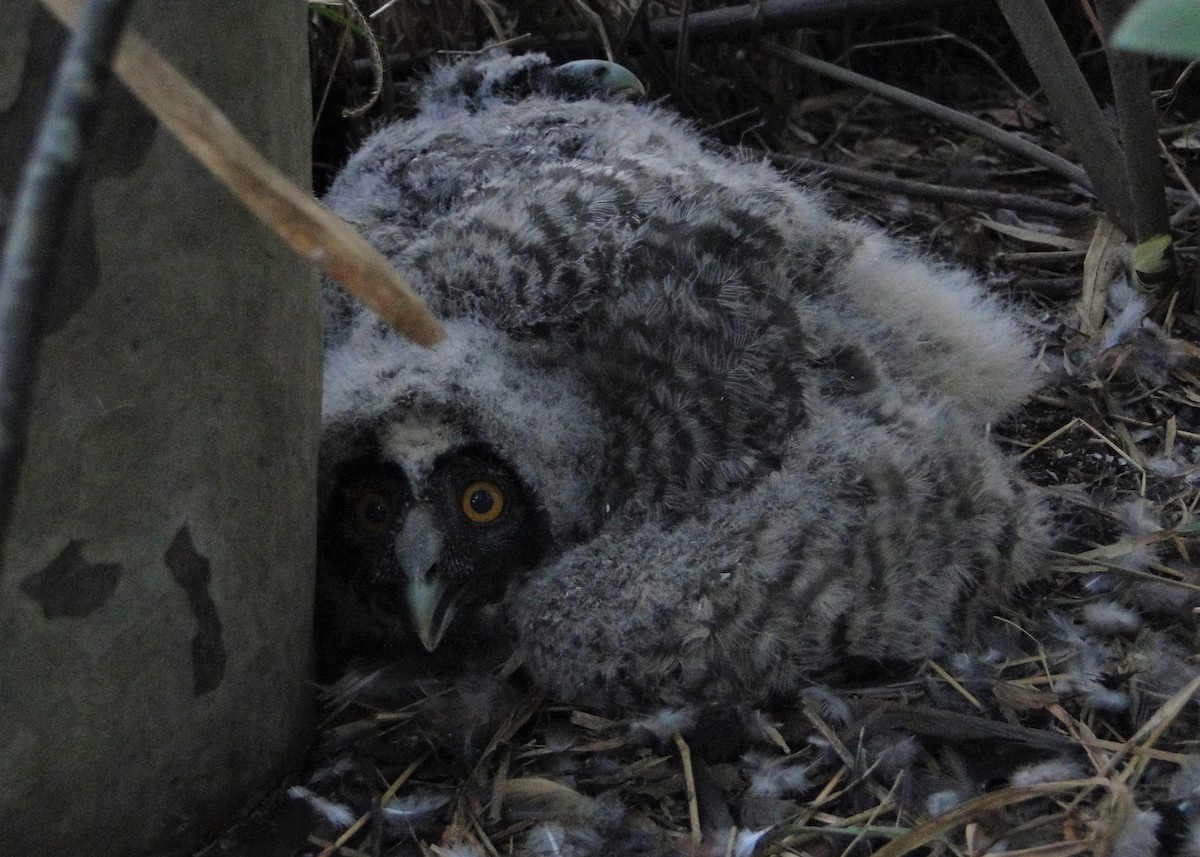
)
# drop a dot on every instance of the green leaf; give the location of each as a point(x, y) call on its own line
point(331, 13)
point(1165, 27)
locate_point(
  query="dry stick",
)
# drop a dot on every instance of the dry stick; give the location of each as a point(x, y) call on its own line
point(952, 726)
point(973, 197)
point(729, 24)
point(1073, 104)
point(685, 758)
point(310, 229)
point(983, 805)
point(739, 21)
point(997, 136)
point(637, 24)
point(356, 14)
point(39, 217)
point(333, 847)
point(1139, 129)
point(936, 34)
point(1152, 730)
point(597, 22)
point(681, 44)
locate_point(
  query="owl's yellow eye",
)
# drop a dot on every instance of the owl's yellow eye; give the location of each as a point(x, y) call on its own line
point(372, 512)
point(482, 502)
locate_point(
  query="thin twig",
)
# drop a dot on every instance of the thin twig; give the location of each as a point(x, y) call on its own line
point(937, 35)
point(986, 803)
point(737, 22)
point(597, 22)
point(39, 216)
point(973, 197)
point(681, 43)
point(343, 40)
point(997, 136)
point(376, 59)
point(685, 758)
point(1180, 174)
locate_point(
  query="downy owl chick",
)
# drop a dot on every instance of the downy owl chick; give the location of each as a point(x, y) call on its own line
point(692, 436)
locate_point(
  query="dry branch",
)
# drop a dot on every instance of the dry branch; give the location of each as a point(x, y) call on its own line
point(1073, 104)
point(737, 22)
point(1139, 129)
point(969, 196)
point(39, 217)
point(980, 806)
point(997, 136)
point(310, 229)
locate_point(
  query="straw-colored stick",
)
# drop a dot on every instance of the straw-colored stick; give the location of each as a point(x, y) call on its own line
point(309, 228)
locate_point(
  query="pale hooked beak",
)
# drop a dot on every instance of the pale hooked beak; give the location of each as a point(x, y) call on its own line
point(603, 78)
point(418, 548)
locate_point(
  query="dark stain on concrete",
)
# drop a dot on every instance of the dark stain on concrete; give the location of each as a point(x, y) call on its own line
point(70, 585)
point(191, 571)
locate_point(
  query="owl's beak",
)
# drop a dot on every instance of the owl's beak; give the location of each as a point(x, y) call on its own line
point(604, 78)
point(418, 548)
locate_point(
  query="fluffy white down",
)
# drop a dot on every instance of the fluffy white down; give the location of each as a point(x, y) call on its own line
point(542, 423)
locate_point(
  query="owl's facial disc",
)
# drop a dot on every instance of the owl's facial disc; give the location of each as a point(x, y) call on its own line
point(418, 548)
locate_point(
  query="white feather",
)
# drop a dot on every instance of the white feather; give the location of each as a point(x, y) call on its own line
point(1139, 836)
point(406, 810)
point(775, 779)
point(1109, 619)
point(1050, 771)
point(338, 815)
point(1127, 321)
point(747, 841)
point(940, 803)
point(665, 722)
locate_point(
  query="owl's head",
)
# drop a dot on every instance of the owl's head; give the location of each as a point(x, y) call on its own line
point(447, 472)
point(429, 540)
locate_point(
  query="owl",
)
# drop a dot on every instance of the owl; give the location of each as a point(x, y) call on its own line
point(690, 436)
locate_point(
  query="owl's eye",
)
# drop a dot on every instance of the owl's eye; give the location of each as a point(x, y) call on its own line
point(482, 502)
point(372, 511)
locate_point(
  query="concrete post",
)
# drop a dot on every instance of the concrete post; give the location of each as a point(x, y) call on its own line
point(155, 594)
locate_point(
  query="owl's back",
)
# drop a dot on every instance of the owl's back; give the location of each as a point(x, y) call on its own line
point(698, 296)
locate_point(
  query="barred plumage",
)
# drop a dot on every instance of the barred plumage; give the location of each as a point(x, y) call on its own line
point(744, 441)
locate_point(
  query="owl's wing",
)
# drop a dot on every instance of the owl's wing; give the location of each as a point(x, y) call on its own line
point(875, 543)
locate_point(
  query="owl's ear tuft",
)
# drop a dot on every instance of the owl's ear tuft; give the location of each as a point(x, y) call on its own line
point(471, 84)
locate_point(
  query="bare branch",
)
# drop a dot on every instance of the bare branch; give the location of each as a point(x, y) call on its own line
point(40, 212)
point(1139, 129)
point(973, 197)
point(1073, 104)
point(736, 22)
point(999, 137)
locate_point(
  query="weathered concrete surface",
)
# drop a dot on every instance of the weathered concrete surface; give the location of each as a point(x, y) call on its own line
point(155, 596)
